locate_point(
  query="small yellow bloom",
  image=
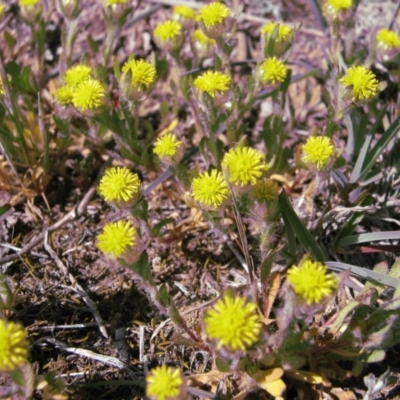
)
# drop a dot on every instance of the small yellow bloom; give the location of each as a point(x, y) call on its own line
point(283, 30)
point(388, 39)
point(88, 95)
point(168, 31)
point(143, 74)
point(116, 238)
point(164, 383)
point(200, 37)
point(111, 2)
point(2, 7)
point(25, 3)
point(212, 82)
point(340, 5)
point(312, 281)
point(210, 188)
point(184, 12)
point(119, 184)
point(363, 83)
point(265, 191)
point(13, 346)
point(213, 14)
point(233, 323)
point(77, 74)
point(65, 94)
point(244, 166)
point(318, 151)
point(167, 145)
point(272, 71)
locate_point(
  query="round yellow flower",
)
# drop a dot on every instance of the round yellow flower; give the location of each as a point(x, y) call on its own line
point(25, 3)
point(184, 12)
point(233, 323)
point(318, 151)
point(244, 166)
point(212, 82)
point(210, 188)
point(167, 145)
point(388, 39)
point(168, 31)
point(164, 383)
point(213, 14)
point(283, 30)
point(88, 95)
point(65, 94)
point(143, 74)
point(119, 184)
point(272, 71)
point(200, 37)
point(13, 346)
point(77, 74)
point(363, 83)
point(340, 5)
point(116, 238)
point(111, 2)
point(312, 281)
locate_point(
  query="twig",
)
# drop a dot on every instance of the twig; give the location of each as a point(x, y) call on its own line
point(76, 286)
point(65, 327)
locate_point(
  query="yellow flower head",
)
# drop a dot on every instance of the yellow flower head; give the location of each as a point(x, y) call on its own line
point(265, 191)
point(167, 145)
point(272, 71)
point(201, 38)
point(184, 12)
point(168, 31)
point(13, 346)
point(143, 73)
point(25, 3)
point(212, 82)
point(65, 94)
point(233, 323)
point(111, 2)
point(363, 83)
point(312, 281)
point(164, 383)
point(318, 151)
point(88, 95)
point(388, 39)
point(213, 14)
point(210, 188)
point(283, 30)
point(339, 5)
point(119, 184)
point(116, 238)
point(77, 74)
point(2, 7)
point(244, 166)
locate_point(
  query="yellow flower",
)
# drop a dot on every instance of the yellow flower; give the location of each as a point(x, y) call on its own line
point(213, 14)
point(13, 346)
point(65, 94)
point(143, 74)
point(200, 37)
point(244, 166)
point(210, 188)
point(119, 184)
point(233, 323)
point(364, 85)
point(265, 191)
point(116, 238)
point(168, 31)
point(167, 145)
point(388, 39)
point(318, 151)
point(272, 71)
point(312, 281)
point(1, 87)
point(77, 74)
point(28, 2)
point(2, 7)
point(283, 30)
point(88, 95)
point(340, 5)
point(164, 383)
point(212, 82)
point(111, 2)
point(185, 12)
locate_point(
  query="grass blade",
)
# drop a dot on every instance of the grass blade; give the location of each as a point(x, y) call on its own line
point(369, 237)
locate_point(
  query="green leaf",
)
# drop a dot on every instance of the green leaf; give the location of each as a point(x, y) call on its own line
point(302, 233)
point(156, 230)
point(140, 209)
point(10, 40)
point(142, 268)
point(163, 296)
point(368, 237)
